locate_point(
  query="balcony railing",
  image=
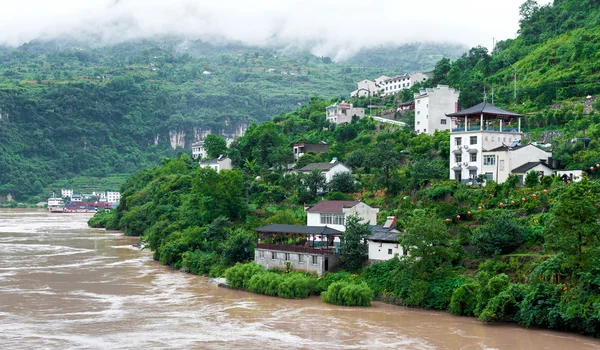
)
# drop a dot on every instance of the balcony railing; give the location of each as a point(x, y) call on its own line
point(298, 249)
point(486, 128)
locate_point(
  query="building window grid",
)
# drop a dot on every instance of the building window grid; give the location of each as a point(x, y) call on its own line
point(314, 260)
point(489, 160)
point(443, 121)
point(473, 157)
point(458, 158)
point(473, 140)
point(333, 219)
point(458, 141)
point(300, 258)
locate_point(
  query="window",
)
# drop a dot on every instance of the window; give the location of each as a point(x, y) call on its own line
point(458, 141)
point(489, 160)
point(418, 102)
point(261, 254)
point(418, 123)
point(473, 140)
point(300, 258)
point(424, 130)
point(473, 157)
point(287, 256)
point(472, 174)
point(458, 158)
point(333, 219)
point(418, 112)
point(458, 175)
point(314, 259)
point(489, 176)
point(390, 251)
point(443, 121)
point(273, 255)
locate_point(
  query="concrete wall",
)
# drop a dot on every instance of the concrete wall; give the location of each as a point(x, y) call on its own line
point(431, 107)
point(338, 168)
point(368, 214)
point(380, 250)
point(267, 262)
point(506, 161)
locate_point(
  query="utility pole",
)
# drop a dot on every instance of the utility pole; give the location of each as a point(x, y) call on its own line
point(515, 86)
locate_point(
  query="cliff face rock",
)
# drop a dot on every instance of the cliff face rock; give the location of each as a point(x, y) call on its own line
point(177, 138)
point(546, 137)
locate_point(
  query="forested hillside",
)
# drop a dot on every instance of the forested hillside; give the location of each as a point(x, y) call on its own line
point(72, 109)
point(554, 58)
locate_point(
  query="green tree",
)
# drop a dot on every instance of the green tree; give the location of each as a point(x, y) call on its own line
point(502, 234)
point(354, 249)
point(215, 145)
point(532, 179)
point(427, 238)
point(574, 223)
point(343, 182)
point(312, 184)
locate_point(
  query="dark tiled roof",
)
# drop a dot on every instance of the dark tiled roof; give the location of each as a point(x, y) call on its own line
point(309, 230)
point(525, 167)
point(485, 108)
point(384, 234)
point(213, 161)
point(320, 166)
point(331, 206)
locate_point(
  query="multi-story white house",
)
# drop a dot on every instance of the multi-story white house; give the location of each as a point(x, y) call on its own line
point(397, 83)
point(366, 88)
point(64, 192)
point(198, 151)
point(431, 107)
point(475, 134)
point(335, 213)
point(113, 197)
point(218, 164)
point(343, 112)
point(327, 169)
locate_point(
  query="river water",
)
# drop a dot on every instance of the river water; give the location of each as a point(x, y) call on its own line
point(66, 286)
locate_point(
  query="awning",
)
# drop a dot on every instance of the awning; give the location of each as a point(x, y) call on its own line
point(457, 168)
point(472, 168)
point(457, 151)
point(472, 150)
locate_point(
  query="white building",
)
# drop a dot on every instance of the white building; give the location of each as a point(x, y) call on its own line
point(64, 193)
point(366, 88)
point(113, 197)
point(500, 162)
point(218, 164)
point(343, 113)
point(198, 151)
point(570, 175)
point(335, 213)
point(384, 241)
point(431, 107)
point(477, 129)
point(327, 169)
point(398, 83)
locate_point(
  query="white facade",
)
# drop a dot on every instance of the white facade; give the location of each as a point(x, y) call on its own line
point(398, 83)
point(343, 113)
point(64, 193)
point(198, 151)
point(113, 197)
point(382, 251)
point(431, 107)
point(573, 175)
point(336, 169)
point(366, 88)
point(497, 164)
point(218, 164)
point(327, 214)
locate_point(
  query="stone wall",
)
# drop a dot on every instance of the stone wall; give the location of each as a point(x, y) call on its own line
point(269, 259)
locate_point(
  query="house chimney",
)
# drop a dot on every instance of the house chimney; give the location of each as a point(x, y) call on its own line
point(334, 160)
point(390, 222)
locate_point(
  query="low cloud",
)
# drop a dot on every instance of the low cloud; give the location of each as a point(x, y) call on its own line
point(334, 28)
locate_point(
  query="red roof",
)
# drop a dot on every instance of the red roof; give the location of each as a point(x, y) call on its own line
point(331, 206)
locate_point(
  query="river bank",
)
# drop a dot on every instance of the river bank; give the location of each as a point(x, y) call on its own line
point(67, 286)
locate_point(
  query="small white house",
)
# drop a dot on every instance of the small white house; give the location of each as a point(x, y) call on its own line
point(498, 163)
point(343, 112)
point(64, 192)
point(327, 169)
point(218, 164)
point(335, 213)
point(431, 107)
point(384, 241)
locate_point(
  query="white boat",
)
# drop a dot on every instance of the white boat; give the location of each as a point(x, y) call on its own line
point(56, 205)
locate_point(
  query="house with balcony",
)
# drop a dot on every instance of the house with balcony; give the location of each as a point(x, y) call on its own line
point(431, 107)
point(477, 129)
point(301, 149)
point(334, 214)
point(309, 248)
point(343, 112)
point(198, 150)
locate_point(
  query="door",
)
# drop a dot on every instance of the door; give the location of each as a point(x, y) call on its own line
point(326, 264)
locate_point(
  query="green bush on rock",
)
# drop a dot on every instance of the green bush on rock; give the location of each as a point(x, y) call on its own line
point(348, 294)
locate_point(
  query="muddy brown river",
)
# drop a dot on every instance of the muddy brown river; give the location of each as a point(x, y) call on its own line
point(66, 286)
